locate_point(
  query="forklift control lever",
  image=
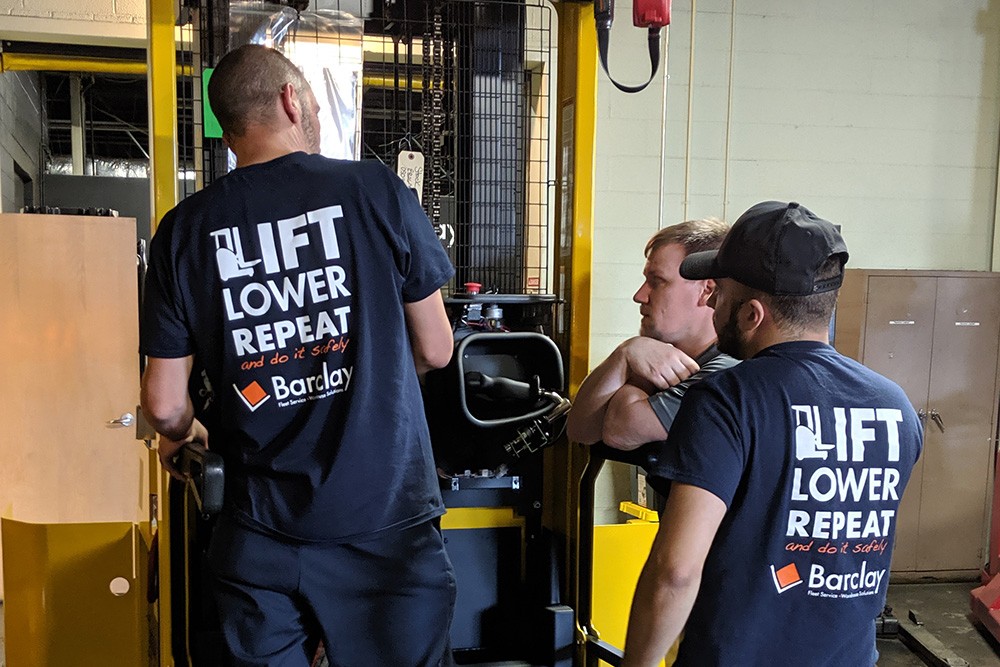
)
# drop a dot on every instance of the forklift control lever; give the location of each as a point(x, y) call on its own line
point(502, 388)
point(205, 474)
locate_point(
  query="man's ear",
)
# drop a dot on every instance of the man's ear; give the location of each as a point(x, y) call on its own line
point(751, 316)
point(707, 288)
point(290, 103)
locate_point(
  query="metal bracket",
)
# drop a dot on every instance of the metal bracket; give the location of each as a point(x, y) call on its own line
point(143, 429)
point(931, 650)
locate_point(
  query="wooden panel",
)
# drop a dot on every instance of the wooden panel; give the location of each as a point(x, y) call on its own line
point(958, 462)
point(899, 325)
point(70, 339)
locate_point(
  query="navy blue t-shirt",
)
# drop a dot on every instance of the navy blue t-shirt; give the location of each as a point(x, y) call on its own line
point(811, 452)
point(287, 281)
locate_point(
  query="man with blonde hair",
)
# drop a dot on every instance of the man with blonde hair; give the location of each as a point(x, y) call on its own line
point(631, 398)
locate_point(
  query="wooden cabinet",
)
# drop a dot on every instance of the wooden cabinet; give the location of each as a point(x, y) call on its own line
point(937, 334)
point(74, 484)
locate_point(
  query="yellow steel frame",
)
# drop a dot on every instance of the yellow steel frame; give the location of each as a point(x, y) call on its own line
point(576, 128)
point(162, 64)
point(39, 62)
point(463, 518)
point(10, 62)
point(162, 86)
point(59, 608)
point(575, 169)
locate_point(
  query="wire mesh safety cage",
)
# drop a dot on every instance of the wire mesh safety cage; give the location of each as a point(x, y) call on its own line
point(456, 95)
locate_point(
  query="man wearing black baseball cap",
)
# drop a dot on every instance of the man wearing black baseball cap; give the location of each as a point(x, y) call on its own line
point(786, 470)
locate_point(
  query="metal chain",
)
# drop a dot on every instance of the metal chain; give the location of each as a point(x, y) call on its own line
point(433, 112)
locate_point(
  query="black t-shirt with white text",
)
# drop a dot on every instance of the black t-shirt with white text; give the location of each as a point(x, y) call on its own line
point(287, 281)
point(811, 452)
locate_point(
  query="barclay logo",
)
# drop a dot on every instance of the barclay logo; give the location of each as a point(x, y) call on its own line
point(253, 395)
point(848, 584)
point(327, 381)
point(785, 578)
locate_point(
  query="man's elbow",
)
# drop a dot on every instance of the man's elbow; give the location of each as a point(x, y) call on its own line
point(617, 438)
point(577, 432)
point(430, 357)
point(161, 410)
point(679, 576)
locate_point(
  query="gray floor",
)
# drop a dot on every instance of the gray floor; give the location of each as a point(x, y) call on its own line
point(943, 608)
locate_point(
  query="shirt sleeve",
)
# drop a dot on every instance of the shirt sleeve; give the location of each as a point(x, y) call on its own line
point(427, 266)
point(706, 447)
point(163, 330)
point(666, 403)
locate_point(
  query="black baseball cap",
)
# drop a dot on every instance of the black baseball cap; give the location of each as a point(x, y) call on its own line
point(776, 248)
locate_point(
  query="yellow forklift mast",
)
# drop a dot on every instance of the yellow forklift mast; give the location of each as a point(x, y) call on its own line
point(572, 104)
point(494, 522)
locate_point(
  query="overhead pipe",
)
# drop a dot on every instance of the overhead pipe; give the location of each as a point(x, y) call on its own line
point(37, 62)
point(690, 110)
point(729, 111)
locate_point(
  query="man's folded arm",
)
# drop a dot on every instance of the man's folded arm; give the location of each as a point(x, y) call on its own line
point(585, 423)
point(630, 420)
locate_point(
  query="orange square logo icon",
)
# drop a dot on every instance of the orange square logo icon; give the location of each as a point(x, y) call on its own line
point(786, 577)
point(253, 395)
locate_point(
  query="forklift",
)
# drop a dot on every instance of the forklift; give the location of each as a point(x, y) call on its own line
point(492, 102)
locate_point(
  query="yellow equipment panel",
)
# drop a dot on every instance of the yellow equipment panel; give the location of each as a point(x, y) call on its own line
point(73, 594)
point(620, 551)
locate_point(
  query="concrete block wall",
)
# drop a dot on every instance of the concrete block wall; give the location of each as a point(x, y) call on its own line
point(20, 133)
point(626, 209)
point(880, 115)
point(99, 22)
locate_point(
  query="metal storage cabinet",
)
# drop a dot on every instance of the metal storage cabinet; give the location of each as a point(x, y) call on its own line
point(937, 335)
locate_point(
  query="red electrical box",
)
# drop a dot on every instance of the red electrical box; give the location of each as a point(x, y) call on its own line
point(651, 13)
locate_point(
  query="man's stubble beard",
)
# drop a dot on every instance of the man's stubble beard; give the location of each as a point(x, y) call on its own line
point(729, 337)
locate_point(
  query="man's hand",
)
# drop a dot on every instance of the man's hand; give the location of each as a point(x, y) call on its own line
point(646, 364)
point(660, 365)
point(167, 449)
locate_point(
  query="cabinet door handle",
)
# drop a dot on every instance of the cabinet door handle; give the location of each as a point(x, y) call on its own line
point(127, 419)
point(922, 416)
point(936, 418)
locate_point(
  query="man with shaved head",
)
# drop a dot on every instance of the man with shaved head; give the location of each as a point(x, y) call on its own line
point(308, 290)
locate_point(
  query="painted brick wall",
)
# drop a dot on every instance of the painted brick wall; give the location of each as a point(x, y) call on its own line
point(626, 210)
point(102, 22)
point(20, 133)
point(880, 115)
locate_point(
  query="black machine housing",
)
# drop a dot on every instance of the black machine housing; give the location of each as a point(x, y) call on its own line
point(489, 411)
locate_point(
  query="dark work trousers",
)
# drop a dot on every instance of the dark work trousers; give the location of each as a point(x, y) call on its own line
point(381, 602)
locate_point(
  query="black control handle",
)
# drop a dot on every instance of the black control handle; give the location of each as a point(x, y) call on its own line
point(502, 388)
point(206, 476)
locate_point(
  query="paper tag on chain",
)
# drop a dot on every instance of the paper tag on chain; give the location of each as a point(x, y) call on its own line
point(410, 168)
